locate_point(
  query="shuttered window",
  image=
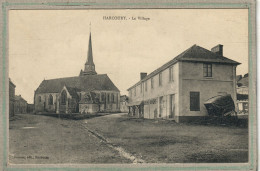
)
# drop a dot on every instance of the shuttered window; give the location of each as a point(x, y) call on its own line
point(207, 70)
point(194, 101)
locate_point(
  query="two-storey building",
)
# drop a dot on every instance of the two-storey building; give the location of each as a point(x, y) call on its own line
point(11, 98)
point(178, 89)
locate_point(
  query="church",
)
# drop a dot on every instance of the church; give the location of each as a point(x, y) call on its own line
point(88, 93)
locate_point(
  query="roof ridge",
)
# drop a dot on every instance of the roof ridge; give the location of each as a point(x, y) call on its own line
point(74, 77)
point(183, 57)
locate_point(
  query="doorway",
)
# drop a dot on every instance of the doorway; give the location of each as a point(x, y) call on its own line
point(172, 106)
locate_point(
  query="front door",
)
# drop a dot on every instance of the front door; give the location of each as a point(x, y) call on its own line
point(172, 106)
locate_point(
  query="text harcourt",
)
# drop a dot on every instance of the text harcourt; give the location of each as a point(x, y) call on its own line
point(114, 17)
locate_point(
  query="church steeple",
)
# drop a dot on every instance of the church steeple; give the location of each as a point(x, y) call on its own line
point(89, 65)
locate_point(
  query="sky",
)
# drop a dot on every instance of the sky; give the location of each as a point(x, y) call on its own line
point(48, 44)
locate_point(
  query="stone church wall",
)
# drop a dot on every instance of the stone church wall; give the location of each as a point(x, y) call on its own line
point(88, 108)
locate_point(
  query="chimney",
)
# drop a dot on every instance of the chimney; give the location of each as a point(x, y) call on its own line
point(142, 75)
point(218, 49)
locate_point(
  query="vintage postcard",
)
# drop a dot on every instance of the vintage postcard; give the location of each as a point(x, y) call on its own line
point(128, 86)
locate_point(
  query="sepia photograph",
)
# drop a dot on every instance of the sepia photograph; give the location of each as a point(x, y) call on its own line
point(129, 86)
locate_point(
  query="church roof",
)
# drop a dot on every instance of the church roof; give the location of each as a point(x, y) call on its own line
point(80, 83)
point(73, 91)
point(193, 54)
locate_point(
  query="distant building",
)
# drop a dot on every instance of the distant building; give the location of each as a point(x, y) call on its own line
point(178, 89)
point(11, 98)
point(20, 105)
point(30, 108)
point(242, 94)
point(123, 103)
point(87, 93)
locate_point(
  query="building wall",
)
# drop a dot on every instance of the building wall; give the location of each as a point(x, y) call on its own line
point(123, 106)
point(11, 98)
point(242, 90)
point(105, 106)
point(20, 107)
point(88, 108)
point(108, 105)
point(167, 88)
point(43, 105)
point(192, 80)
point(188, 77)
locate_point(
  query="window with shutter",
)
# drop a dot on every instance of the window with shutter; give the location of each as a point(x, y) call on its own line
point(194, 101)
point(207, 70)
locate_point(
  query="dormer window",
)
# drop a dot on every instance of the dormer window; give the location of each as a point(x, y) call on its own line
point(207, 70)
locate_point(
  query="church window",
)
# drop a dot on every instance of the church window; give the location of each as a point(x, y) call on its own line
point(135, 91)
point(113, 98)
point(40, 99)
point(63, 97)
point(145, 85)
point(103, 97)
point(50, 100)
point(108, 98)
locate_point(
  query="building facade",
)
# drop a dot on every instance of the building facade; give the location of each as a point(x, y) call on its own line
point(20, 105)
point(11, 98)
point(124, 103)
point(87, 93)
point(178, 89)
point(242, 94)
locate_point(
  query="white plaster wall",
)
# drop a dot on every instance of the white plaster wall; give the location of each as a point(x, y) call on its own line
point(167, 88)
point(192, 80)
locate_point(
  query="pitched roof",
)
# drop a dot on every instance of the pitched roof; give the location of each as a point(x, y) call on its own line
point(195, 54)
point(243, 81)
point(19, 98)
point(73, 91)
point(238, 77)
point(80, 83)
point(10, 82)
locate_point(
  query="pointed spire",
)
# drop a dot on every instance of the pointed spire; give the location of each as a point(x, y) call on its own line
point(90, 55)
point(89, 65)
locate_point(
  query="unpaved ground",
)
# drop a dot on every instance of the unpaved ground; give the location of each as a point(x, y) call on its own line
point(118, 139)
point(170, 142)
point(44, 139)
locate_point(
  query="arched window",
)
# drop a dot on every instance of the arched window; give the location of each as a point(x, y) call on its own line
point(63, 97)
point(103, 98)
point(40, 99)
point(108, 98)
point(50, 100)
point(113, 98)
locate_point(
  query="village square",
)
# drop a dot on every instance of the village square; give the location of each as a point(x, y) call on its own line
point(99, 87)
point(176, 114)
